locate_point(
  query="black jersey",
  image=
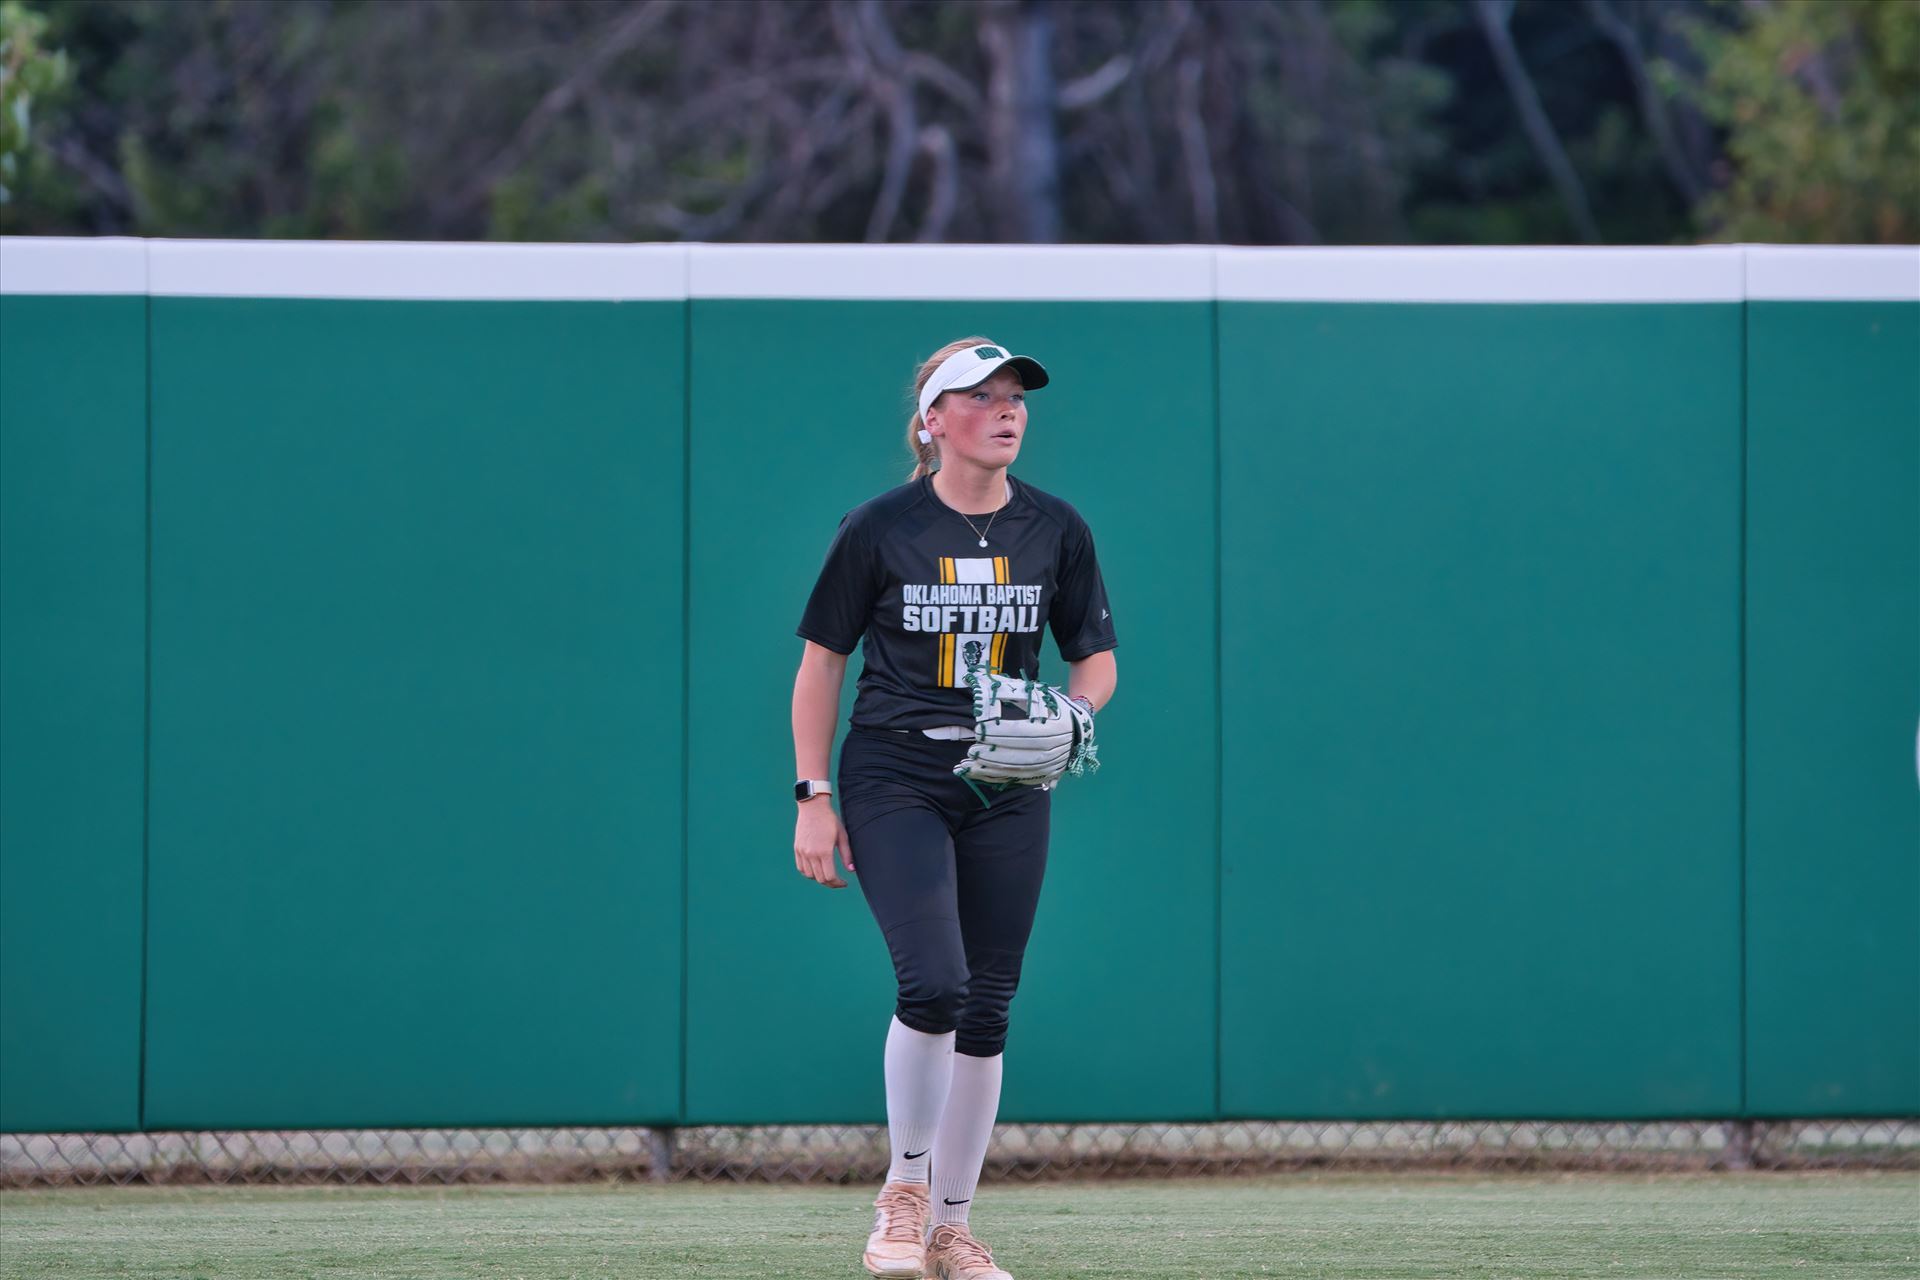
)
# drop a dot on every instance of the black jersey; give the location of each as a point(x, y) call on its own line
point(906, 572)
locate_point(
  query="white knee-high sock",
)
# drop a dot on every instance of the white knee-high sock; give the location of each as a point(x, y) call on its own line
point(960, 1146)
point(919, 1068)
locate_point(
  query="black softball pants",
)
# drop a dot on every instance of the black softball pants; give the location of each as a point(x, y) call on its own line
point(953, 884)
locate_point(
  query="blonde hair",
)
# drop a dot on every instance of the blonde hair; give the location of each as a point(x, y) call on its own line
point(925, 455)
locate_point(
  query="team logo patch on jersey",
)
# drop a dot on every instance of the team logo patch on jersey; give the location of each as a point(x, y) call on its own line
point(960, 651)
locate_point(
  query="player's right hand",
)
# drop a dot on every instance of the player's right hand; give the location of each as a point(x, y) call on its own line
point(817, 831)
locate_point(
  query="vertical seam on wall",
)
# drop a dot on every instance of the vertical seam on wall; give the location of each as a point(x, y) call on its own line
point(686, 658)
point(1745, 304)
point(146, 716)
point(1219, 702)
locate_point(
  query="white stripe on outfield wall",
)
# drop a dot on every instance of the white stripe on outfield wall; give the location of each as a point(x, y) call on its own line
point(62, 264)
point(397, 270)
point(1859, 273)
point(1710, 273)
point(1080, 273)
point(350, 269)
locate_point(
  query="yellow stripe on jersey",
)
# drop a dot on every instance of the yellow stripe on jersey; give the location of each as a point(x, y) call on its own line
point(945, 675)
point(946, 569)
point(1000, 570)
point(999, 649)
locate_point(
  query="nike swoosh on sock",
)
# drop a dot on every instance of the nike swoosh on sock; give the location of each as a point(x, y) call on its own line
point(944, 1200)
point(915, 1155)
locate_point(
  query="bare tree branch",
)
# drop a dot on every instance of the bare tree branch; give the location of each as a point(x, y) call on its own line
point(1653, 109)
point(939, 75)
point(1692, 132)
point(1494, 16)
point(98, 174)
point(944, 186)
point(836, 180)
point(821, 131)
point(1193, 148)
point(1160, 40)
point(739, 92)
point(880, 58)
point(1119, 181)
point(1143, 185)
point(627, 33)
point(1096, 84)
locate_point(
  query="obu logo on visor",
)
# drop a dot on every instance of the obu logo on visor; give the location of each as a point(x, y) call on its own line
point(989, 353)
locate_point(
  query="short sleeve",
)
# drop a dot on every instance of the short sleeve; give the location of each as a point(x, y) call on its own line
point(842, 600)
point(1081, 619)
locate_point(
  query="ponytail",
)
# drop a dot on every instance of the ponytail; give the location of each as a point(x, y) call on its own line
point(926, 455)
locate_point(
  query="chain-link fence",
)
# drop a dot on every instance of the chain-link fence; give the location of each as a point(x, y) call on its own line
point(853, 1153)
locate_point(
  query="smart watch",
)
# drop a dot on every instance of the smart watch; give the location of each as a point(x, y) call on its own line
point(808, 788)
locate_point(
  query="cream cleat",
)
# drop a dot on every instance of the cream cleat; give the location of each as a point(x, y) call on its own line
point(953, 1254)
point(896, 1249)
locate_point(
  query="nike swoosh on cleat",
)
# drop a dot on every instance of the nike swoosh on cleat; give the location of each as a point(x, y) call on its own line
point(915, 1155)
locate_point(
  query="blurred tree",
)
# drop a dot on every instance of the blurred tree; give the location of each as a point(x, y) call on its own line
point(1244, 121)
point(1260, 123)
point(1023, 141)
point(1490, 185)
point(1495, 17)
point(1636, 29)
point(1821, 101)
point(29, 75)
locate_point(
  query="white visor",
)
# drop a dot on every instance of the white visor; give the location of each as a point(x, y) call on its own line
point(971, 366)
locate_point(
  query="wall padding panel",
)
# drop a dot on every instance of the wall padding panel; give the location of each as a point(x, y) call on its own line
point(416, 850)
point(1480, 603)
point(73, 511)
point(1833, 694)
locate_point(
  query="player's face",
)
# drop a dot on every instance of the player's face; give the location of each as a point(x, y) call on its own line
point(982, 424)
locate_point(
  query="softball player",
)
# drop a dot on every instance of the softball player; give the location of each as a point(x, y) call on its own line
point(946, 578)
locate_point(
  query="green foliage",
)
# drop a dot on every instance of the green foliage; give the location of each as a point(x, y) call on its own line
point(29, 74)
point(1342, 121)
point(1821, 101)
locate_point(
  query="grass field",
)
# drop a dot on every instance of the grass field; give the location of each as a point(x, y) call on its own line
point(1327, 1225)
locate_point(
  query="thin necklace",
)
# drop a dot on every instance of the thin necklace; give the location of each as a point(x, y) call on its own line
point(978, 533)
point(982, 534)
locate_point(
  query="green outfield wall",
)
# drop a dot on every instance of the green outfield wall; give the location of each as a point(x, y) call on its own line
point(1519, 675)
point(415, 785)
point(1833, 591)
point(73, 544)
point(1481, 614)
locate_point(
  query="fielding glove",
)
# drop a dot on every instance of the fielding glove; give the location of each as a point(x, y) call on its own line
point(1053, 738)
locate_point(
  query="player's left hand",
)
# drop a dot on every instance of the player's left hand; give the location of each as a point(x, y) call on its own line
point(1053, 738)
